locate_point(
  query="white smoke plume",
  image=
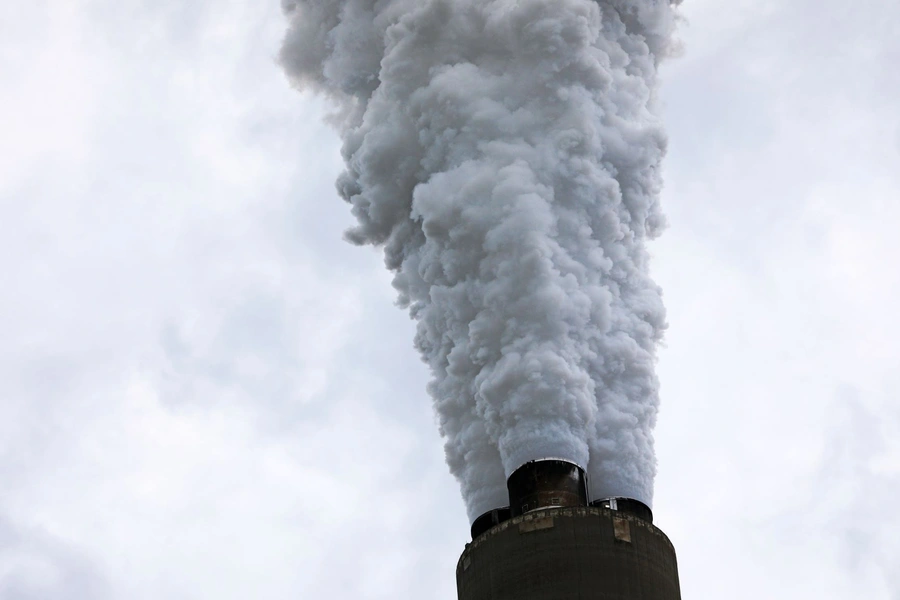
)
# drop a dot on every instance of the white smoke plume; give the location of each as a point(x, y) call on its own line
point(506, 156)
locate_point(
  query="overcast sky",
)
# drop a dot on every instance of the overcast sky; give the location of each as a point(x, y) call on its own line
point(206, 394)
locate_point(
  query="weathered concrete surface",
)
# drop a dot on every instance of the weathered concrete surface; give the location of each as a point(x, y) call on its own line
point(585, 553)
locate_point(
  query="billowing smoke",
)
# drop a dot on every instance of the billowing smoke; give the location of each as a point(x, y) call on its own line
point(506, 156)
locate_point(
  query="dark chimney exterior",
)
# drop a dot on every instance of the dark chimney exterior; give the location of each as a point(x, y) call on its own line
point(550, 545)
point(546, 483)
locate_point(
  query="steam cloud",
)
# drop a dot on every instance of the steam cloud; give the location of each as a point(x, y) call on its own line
point(506, 155)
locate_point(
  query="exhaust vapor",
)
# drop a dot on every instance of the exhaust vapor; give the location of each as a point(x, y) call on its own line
point(506, 156)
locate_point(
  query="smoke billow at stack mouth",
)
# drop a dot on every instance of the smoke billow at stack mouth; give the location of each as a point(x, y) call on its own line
point(506, 156)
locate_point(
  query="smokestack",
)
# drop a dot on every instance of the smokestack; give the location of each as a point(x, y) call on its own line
point(549, 544)
point(488, 520)
point(546, 483)
point(626, 505)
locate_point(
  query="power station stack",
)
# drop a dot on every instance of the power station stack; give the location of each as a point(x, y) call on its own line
point(551, 544)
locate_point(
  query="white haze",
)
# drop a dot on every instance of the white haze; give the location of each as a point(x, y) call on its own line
point(506, 156)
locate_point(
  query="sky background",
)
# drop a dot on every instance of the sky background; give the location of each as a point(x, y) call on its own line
point(206, 394)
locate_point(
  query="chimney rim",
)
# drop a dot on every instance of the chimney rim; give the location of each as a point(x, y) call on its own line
point(547, 459)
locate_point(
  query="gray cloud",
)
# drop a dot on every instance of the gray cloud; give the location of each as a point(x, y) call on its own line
point(36, 565)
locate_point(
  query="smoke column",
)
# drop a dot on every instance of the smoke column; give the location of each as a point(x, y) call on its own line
point(506, 154)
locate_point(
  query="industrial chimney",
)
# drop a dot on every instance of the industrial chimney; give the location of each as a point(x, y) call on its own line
point(549, 544)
